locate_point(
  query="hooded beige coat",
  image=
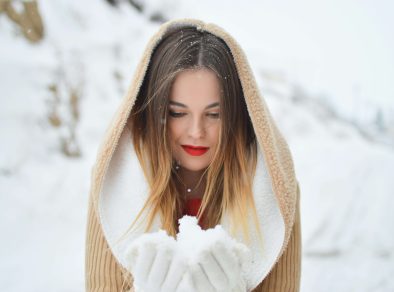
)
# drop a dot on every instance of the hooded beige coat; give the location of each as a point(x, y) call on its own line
point(118, 189)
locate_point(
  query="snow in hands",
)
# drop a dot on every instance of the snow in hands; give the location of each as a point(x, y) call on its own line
point(198, 260)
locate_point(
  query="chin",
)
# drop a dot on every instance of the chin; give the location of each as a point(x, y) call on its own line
point(195, 168)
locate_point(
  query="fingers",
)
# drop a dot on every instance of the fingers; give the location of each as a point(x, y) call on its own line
point(227, 261)
point(131, 256)
point(219, 267)
point(144, 261)
point(200, 279)
point(155, 266)
point(175, 273)
point(240, 286)
point(214, 271)
point(186, 283)
point(159, 268)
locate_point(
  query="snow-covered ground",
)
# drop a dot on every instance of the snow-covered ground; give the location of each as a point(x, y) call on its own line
point(334, 104)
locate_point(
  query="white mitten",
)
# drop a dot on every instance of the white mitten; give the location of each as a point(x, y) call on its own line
point(154, 264)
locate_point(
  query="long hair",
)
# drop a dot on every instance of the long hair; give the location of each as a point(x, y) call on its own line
point(231, 172)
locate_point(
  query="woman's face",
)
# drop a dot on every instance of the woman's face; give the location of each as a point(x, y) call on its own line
point(194, 118)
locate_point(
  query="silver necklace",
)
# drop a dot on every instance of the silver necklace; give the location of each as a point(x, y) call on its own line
point(188, 189)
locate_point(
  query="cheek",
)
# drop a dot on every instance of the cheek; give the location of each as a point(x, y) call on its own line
point(214, 133)
point(174, 131)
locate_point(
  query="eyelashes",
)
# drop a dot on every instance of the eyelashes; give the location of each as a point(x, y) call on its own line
point(214, 115)
point(176, 114)
point(179, 115)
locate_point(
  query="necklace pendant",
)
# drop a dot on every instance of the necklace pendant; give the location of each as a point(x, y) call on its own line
point(189, 190)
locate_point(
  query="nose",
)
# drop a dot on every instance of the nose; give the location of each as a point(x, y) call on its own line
point(196, 128)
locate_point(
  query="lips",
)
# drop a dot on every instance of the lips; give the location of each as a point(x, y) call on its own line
point(195, 150)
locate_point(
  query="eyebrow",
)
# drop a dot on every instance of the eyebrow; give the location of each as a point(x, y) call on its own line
point(183, 105)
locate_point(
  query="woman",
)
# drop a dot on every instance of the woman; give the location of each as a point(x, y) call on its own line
point(194, 137)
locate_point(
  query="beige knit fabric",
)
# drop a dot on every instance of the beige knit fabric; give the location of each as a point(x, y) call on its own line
point(104, 273)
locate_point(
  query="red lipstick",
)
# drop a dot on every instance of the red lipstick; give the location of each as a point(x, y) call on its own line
point(195, 150)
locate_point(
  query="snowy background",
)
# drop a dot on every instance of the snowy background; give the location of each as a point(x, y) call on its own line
point(325, 69)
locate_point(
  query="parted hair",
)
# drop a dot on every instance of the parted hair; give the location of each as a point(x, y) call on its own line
point(230, 174)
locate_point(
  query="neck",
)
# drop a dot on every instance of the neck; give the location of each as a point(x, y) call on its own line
point(191, 178)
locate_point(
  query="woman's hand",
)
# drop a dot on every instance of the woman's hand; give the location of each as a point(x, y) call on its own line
point(216, 259)
point(154, 263)
point(217, 269)
point(198, 261)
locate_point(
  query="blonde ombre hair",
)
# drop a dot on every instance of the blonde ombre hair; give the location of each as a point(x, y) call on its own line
point(229, 177)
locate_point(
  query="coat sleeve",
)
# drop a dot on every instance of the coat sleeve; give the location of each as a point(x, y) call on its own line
point(285, 276)
point(102, 271)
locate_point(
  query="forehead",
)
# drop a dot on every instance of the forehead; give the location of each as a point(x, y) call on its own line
point(196, 86)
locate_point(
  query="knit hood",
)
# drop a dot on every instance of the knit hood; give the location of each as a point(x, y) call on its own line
point(119, 188)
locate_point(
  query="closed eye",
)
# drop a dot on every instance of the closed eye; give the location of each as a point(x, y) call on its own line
point(213, 115)
point(180, 114)
point(176, 114)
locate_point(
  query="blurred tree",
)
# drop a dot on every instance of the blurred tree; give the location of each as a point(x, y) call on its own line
point(140, 6)
point(135, 4)
point(379, 120)
point(28, 20)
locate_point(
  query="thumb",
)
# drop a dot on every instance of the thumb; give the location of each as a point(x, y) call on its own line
point(132, 253)
point(144, 261)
